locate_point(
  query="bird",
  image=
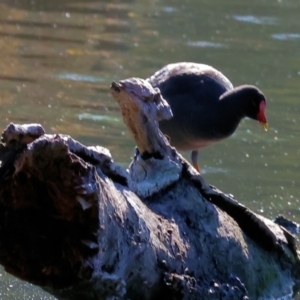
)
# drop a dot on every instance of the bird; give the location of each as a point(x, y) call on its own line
point(206, 107)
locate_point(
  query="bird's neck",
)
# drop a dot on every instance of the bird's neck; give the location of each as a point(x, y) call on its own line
point(231, 110)
point(232, 105)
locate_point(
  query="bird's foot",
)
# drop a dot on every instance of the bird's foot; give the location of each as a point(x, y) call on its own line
point(196, 166)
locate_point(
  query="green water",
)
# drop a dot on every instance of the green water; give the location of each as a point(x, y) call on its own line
point(58, 59)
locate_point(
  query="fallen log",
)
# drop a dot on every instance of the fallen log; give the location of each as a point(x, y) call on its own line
point(81, 227)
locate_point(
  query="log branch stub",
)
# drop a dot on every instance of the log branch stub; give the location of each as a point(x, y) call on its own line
point(21, 134)
point(156, 165)
point(142, 107)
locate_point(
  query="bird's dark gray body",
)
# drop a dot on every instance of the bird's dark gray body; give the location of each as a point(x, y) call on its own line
point(206, 108)
point(192, 90)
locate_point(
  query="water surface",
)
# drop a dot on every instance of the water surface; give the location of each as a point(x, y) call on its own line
point(58, 59)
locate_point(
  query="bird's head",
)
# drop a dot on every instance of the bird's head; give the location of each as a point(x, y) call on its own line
point(254, 103)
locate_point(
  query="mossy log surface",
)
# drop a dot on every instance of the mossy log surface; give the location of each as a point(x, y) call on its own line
point(81, 227)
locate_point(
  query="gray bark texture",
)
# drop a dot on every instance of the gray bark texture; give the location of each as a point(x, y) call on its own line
point(81, 227)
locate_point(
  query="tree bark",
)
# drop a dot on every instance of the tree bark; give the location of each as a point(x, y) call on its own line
point(81, 227)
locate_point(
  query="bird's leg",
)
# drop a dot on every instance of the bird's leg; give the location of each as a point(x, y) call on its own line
point(194, 158)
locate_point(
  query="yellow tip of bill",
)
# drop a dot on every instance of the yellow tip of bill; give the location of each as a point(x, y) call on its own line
point(264, 125)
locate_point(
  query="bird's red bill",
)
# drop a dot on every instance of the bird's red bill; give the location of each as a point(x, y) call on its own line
point(261, 117)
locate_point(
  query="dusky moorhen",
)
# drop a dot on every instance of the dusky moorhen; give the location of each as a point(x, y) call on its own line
point(206, 108)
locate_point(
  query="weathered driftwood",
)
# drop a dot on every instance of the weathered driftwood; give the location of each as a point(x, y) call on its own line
point(81, 227)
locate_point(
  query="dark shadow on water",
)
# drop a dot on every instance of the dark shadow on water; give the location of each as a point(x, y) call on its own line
point(115, 45)
point(107, 12)
point(21, 79)
point(43, 25)
point(67, 5)
point(40, 38)
point(55, 64)
point(34, 56)
point(103, 89)
point(117, 28)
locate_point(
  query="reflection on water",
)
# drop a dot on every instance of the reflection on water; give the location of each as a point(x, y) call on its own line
point(58, 59)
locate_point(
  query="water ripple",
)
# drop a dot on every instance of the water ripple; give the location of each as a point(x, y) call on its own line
point(205, 44)
point(286, 36)
point(169, 9)
point(79, 77)
point(256, 20)
point(93, 117)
